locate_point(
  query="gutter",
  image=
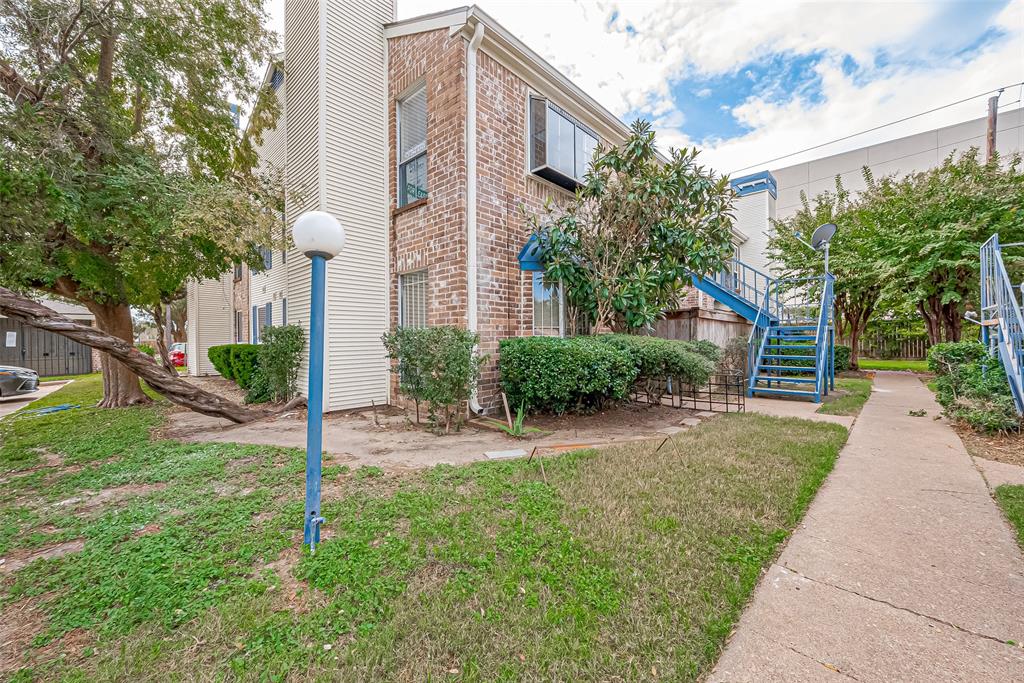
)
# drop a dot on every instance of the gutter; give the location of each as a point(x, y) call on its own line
point(471, 261)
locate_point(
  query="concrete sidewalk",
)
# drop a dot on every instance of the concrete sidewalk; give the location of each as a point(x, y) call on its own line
point(903, 569)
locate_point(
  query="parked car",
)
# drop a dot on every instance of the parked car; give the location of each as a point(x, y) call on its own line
point(177, 354)
point(15, 381)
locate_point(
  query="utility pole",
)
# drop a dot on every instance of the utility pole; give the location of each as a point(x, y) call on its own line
point(990, 135)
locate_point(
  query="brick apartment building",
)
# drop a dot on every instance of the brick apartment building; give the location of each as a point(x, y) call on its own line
point(428, 139)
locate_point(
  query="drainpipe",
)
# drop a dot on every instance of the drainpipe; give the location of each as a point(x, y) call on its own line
point(471, 273)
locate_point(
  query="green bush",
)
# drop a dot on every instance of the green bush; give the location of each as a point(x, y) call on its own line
point(734, 355)
point(245, 359)
point(279, 355)
point(220, 357)
point(972, 387)
point(437, 366)
point(549, 374)
point(656, 359)
point(236, 362)
point(705, 348)
point(147, 349)
point(942, 358)
point(842, 358)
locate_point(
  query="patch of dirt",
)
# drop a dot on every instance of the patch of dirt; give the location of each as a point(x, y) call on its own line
point(20, 623)
point(152, 528)
point(70, 646)
point(87, 501)
point(428, 578)
point(22, 558)
point(292, 594)
point(1006, 448)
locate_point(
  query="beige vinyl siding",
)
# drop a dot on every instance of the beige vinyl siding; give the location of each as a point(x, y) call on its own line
point(752, 218)
point(355, 169)
point(272, 285)
point(302, 94)
point(210, 321)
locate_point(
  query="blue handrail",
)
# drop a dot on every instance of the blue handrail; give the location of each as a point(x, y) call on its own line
point(1000, 309)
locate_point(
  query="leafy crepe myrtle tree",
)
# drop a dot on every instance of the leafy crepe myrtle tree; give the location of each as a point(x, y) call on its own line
point(625, 246)
point(122, 173)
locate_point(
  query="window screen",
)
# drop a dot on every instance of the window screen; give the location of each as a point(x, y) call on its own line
point(239, 327)
point(412, 147)
point(412, 299)
point(547, 308)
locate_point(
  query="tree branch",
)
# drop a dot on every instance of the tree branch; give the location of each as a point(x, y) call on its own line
point(171, 387)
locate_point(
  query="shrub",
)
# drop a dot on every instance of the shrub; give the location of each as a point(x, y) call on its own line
point(705, 348)
point(734, 356)
point(436, 365)
point(236, 362)
point(942, 358)
point(972, 387)
point(558, 375)
point(244, 360)
point(842, 358)
point(147, 349)
point(220, 357)
point(657, 359)
point(277, 368)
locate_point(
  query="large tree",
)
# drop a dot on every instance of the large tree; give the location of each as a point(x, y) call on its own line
point(122, 173)
point(857, 287)
point(932, 225)
point(625, 246)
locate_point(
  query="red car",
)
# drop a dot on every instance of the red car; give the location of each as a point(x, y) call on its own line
point(177, 354)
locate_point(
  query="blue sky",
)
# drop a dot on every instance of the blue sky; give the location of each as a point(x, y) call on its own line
point(750, 80)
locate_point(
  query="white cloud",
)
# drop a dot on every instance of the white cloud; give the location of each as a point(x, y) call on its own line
point(632, 71)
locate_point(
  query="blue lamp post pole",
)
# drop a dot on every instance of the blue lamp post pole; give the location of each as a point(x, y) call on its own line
point(320, 237)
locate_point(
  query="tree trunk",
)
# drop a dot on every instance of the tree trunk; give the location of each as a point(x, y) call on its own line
point(952, 321)
point(161, 341)
point(130, 360)
point(854, 343)
point(932, 314)
point(121, 386)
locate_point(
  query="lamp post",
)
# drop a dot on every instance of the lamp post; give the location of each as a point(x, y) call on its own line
point(319, 236)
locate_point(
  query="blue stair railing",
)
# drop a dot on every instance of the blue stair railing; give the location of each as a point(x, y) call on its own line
point(1002, 323)
point(797, 340)
point(742, 288)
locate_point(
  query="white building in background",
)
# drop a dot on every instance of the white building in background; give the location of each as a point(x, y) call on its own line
point(776, 193)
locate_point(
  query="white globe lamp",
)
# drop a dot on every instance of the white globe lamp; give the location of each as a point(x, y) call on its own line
point(318, 233)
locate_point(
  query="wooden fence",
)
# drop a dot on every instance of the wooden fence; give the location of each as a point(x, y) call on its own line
point(887, 347)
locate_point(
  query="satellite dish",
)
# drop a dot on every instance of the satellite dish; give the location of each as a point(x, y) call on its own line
point(822, 235)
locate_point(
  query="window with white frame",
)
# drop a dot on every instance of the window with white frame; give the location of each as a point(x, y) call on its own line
point(547, 307)
point(412, 299)
point(561, 147)
point(412, 147)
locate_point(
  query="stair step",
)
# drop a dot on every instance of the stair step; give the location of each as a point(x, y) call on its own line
point(778, 356)
point(790, 346)
point(793, 337)
point(789, 368)
point(795, 328)
point(782, 392)
point(795, 380)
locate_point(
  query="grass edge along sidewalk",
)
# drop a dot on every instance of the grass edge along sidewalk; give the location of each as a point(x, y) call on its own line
point(620, 563)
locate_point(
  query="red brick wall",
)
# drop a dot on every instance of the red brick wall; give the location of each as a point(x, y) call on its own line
point(432, 235)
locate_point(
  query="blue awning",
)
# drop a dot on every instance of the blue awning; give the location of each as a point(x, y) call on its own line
point(529, 255)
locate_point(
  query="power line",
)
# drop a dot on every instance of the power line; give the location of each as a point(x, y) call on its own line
point(884, 125)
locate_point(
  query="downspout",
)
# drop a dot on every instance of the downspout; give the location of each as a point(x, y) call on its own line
point(471, 265)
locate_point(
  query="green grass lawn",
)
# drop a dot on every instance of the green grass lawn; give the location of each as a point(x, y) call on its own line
point(855, 393)
point(912, 365)
point(620, 564)
point(1011, 500)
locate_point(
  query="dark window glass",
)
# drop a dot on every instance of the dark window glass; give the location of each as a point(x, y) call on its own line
point(561, 149)
point(412, 147)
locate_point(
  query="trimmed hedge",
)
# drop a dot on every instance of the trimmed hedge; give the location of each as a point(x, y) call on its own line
point(656, 358)
point(558, 375)
point(236, 362)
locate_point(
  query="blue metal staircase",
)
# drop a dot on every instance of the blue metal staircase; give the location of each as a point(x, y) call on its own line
point(1002, 323)
point(791, 349)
